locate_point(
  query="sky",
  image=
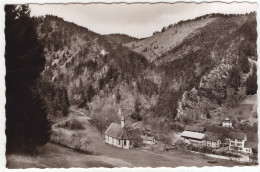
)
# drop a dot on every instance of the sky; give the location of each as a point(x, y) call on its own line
point(137, 20)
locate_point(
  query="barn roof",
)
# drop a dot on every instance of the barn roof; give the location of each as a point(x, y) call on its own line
point(135, 133)
point(115, 131)
point(194, 135)
point(252, 145)
point(237, 135)
point(220, 135)
point(213, 138)
point(194, 129)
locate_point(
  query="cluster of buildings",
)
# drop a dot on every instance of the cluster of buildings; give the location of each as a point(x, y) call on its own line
point(198, 136)
point(126, 138)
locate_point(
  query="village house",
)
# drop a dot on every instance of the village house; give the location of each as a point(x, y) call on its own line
point(119, 135)
point(237, 141)
point(193, 135)
point(211, 141)
point(250, 147)
point(150, 140)
point(136, 133)
point(227, 123)
point(144, 137)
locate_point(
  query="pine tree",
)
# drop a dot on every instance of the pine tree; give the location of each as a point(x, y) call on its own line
point(235, 79)
point(65, 102)
point(244, 63)
point(251, 82)
point(118, 96)
point(91, 93)
point(26, 117)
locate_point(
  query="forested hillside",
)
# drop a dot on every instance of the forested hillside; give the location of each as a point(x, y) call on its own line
point(190, 71)
point(87, 70)
point(205, 64)
point(120, 38)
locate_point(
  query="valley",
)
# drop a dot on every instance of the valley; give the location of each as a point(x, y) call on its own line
point(100, 154)
point(181, 97)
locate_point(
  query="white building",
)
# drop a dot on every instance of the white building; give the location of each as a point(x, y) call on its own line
point(148, 139)
point(237, 141)
point(227, 123)
point(250, 147)
point(119, 136)
point(191, 137)
point(211, 141)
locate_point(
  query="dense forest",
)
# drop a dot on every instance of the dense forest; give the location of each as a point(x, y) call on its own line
point(27, 125)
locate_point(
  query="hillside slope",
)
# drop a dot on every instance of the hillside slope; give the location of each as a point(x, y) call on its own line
point(192, 71)
point(203, 63)
point(120, 38)
point(99, 75)
point(155, 46)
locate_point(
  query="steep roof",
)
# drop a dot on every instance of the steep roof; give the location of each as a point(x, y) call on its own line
point(211, 138)
point(135, 133)
point(220, 135)
point(194, 129)
point(115, 131)
point(226, 119)
point(194, 135)
point(237, 135)
point(252, 145)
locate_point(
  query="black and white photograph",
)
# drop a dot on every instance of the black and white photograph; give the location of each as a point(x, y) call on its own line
point(120, 84)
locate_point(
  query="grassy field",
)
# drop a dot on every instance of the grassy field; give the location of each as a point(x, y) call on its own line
point(56, 156)
point(100, 154)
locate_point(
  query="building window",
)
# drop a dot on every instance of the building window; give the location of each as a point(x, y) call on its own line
point(130, 142)
point(124, 142)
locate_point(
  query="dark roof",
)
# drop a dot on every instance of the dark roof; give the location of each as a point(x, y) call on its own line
point(220, 135)
point(227, 119)
point(237, 135)
point(115, 131)
point(252, 145)
point(135, 133)
point(211, 138)
point(194, 129)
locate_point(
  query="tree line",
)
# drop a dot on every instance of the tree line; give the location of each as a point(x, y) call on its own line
point(27, 125)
